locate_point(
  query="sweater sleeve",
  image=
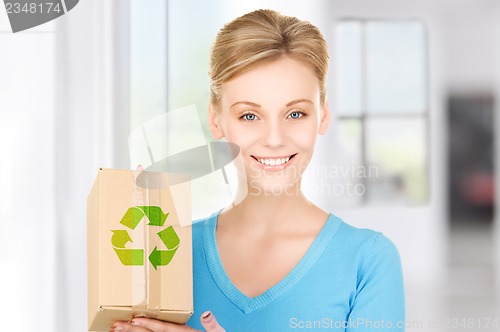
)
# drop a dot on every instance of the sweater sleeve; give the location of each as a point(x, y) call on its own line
point(379, 304)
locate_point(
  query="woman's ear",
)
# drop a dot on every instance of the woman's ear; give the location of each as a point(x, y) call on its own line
point(324, 118)
point(214, 122)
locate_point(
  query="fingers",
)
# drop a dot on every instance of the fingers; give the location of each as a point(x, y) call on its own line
point(159, 326)
point(210, 323)
point(127, 327)
point(150, 325)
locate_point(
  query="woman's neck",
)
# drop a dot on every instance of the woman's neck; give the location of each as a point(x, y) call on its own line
point(268, 213)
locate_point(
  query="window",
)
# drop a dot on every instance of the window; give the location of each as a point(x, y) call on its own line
point(382, 107)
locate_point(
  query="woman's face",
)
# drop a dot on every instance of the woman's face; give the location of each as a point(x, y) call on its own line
point(274, 114)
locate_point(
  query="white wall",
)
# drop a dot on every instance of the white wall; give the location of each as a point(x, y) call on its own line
point(27, 161)
point(468, 43)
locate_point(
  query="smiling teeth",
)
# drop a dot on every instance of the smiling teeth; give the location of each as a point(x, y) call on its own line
point(273, 161)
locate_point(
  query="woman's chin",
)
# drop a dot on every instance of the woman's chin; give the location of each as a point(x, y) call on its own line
point(273, 188)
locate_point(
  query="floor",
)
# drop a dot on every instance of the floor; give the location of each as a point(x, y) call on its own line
point(469, 298)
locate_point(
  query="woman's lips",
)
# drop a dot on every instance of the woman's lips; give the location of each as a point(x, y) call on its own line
point(273, 162)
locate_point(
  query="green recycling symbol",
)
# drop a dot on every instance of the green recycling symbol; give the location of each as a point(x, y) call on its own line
point(131, 219)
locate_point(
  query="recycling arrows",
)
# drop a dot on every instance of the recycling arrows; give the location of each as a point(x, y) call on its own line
point(131, 219)
point(120, 238)
point(127, 256)
point(171, 241)
point(134, 215)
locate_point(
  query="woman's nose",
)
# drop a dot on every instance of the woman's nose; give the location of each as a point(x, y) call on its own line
point(274, 134)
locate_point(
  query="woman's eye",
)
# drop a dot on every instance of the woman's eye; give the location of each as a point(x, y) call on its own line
point(249, 117)
point(295, 115)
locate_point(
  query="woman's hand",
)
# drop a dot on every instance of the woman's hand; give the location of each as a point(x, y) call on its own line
point(152, 325)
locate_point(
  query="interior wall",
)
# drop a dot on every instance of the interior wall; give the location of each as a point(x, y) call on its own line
point(468, 44)
point(27, 205)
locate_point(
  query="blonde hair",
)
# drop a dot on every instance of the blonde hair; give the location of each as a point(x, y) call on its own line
point(263, 36)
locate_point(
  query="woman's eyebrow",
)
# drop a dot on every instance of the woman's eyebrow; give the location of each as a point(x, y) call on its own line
point(249, 103)
point(296, 101)
point(293, 102)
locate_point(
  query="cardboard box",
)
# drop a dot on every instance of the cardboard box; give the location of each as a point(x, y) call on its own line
point(139, 255)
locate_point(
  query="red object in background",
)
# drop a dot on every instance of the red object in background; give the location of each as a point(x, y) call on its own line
point(479, 189)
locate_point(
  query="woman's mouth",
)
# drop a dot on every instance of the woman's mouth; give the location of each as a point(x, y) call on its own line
point(274, 161)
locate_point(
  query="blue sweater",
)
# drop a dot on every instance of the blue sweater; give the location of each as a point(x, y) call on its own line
point(350, 279)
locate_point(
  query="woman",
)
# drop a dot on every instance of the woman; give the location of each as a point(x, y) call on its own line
point(274, 261)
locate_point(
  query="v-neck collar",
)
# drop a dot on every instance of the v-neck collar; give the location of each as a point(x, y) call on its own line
point(248, 304)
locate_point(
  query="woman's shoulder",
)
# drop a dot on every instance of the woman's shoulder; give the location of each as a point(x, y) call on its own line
point(199, 225)
point(348, 229)
point(202, 221)
point(370, 241)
